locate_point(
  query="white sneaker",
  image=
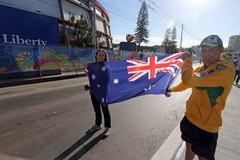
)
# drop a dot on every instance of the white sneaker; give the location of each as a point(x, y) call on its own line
point(106, 132)
point(95, 128)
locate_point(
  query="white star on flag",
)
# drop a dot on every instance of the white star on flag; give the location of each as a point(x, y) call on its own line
point(103, 68)
point(115, 81)
point(149, 88)
point(93, 76)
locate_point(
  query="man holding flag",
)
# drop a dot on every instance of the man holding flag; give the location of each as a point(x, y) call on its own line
point(210, 84)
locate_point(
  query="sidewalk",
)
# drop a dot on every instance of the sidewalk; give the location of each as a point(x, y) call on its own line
point(21, 81)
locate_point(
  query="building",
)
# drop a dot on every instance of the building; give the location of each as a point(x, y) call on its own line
point(46, 22)
point(234, 43)
point(233, 50)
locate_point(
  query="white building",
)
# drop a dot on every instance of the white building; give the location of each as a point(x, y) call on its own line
point(234, 43)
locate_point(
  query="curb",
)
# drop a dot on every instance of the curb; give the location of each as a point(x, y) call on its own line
point(170, 147)
point(16, 82)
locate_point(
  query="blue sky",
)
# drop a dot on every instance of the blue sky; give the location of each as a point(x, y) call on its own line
point(199, 17)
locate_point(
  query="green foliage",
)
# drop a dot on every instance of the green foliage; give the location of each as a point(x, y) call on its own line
point(169, 41)
point(82, 32)
point(154, 48)
point(141, 32)
point(174, 34)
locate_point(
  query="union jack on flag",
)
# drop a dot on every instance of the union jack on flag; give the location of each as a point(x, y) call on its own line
point(118, 81)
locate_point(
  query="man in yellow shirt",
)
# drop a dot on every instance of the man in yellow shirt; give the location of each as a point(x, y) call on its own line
point(210, 84)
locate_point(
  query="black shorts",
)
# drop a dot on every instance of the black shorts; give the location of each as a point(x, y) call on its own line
point(203, 143)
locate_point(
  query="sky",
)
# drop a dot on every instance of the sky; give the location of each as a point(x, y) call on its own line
point(199, 19)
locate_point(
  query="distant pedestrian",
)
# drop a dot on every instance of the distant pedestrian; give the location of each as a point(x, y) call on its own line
point(101, 55)
point(237, 72)
point(210, 84)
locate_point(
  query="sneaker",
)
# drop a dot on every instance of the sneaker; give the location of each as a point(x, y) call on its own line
point(106, 132)
point(95, 128)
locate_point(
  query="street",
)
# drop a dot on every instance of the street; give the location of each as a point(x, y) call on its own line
point(49, 120)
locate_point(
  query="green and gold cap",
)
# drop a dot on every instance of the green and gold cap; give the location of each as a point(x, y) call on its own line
point(212, 41)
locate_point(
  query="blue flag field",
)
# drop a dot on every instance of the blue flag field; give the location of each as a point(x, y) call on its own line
point(118, 81)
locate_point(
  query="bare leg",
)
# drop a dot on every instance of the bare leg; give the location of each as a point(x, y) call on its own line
point(189, 155)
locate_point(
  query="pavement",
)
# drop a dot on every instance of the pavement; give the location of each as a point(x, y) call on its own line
point(228, 147)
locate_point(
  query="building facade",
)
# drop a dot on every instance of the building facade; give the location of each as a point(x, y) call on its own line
point(234, 43)
point(46, 22)
point(233, 50)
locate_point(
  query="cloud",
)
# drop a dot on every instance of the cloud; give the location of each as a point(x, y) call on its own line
point(156, 41)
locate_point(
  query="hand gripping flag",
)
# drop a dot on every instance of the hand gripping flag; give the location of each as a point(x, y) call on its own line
point(118, 81)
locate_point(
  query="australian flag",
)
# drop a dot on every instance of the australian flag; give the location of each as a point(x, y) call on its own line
point(118, 81)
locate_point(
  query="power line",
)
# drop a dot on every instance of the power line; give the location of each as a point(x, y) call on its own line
point(122, 16)
point(191, 34)
point(112, 7)
point(163, 13)
point(168, 17)
point(116, 11)
point(152, 6)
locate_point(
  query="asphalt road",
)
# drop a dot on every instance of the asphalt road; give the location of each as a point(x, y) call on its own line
point(49, 120)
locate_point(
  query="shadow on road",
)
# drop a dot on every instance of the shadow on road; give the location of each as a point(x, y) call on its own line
point(87, 147)
point(77, 144)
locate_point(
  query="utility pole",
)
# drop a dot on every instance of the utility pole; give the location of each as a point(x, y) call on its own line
point(181, 37)
point(94, 25)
